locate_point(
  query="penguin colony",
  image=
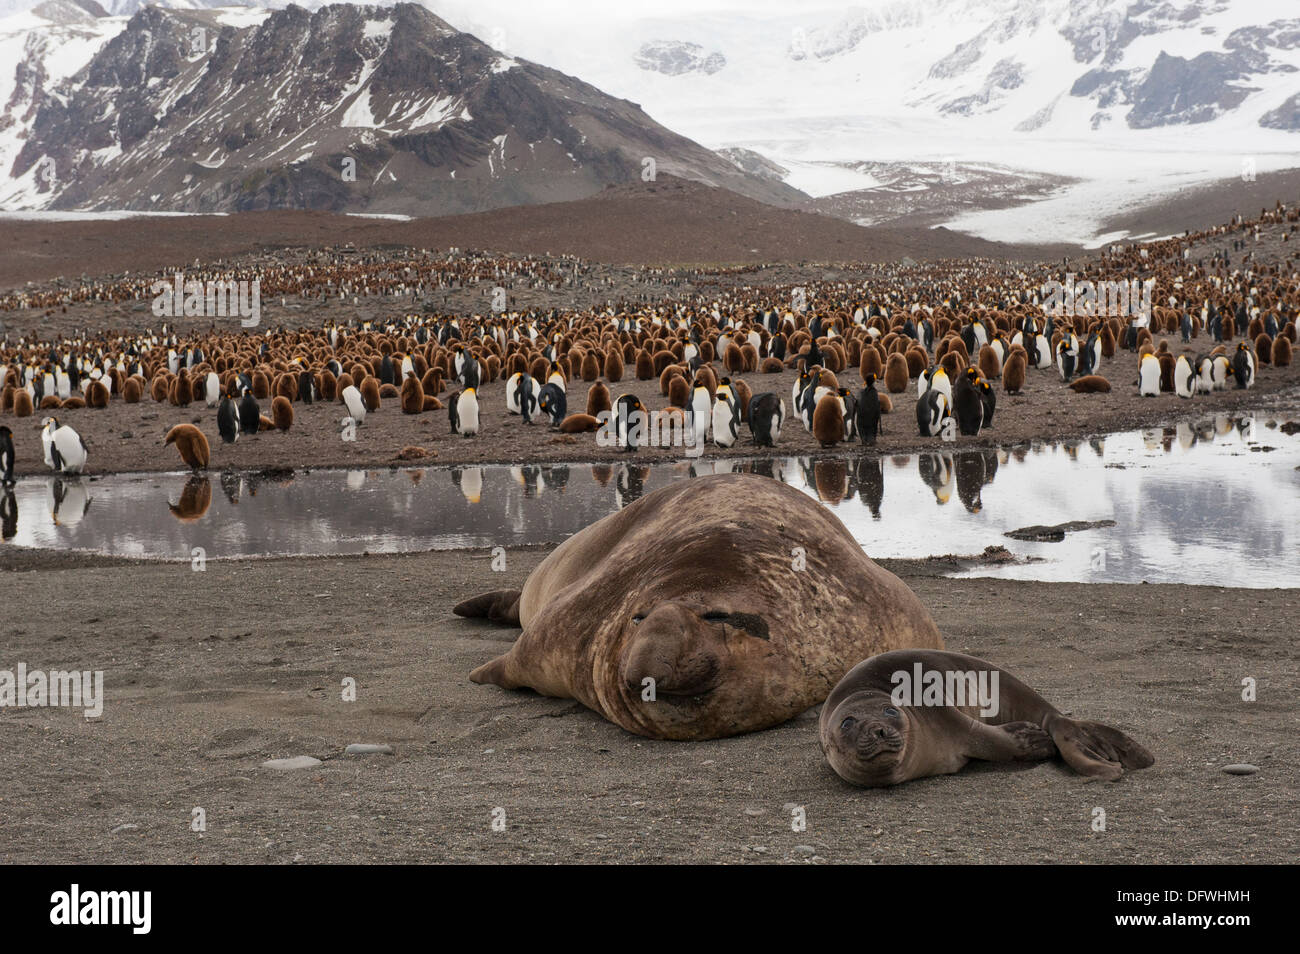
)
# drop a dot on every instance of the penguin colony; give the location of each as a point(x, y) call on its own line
point(859, 348)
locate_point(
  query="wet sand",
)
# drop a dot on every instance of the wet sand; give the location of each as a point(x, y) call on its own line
point(209, 674)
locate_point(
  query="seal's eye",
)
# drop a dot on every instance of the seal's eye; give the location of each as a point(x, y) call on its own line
point(638, 617)
point(890, 711)
point(848, 723)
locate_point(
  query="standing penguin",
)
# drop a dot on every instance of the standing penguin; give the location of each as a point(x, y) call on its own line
point(828, 419)
point(849, 404)
point(1243, 366)
point(1149, 376)
point(931, 411)
point(939, 382)
point(990, 400)
point(462, 410)
point(250, 413)
point(68, 451)
point(355, 404)
point(726, 423)
point(630, 422)
point(766, 415)
point(726, 415)
point(228, 417)
point(306, 387)
point(1089, 355)
point(191, 443)
point(526, 397)
point(701, 413)
point(1065, 358)
point(6, 456)
point(553, 402)
point(968, 406)
point(868, 416)
point(1184, 378)
point(212, 389)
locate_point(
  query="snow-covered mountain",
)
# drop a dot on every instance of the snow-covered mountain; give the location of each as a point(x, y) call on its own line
point(374, 109)
point(952, 109)
point(1130, 98)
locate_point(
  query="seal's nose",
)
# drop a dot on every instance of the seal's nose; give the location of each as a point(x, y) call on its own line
point(655, 647)
point(659, 649)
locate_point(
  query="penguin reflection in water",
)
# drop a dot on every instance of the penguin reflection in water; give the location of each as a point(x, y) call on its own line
point(8, 514)
point(196, 497)
point(67, 500)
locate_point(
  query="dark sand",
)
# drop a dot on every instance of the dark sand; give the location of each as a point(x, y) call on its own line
point(209, 674)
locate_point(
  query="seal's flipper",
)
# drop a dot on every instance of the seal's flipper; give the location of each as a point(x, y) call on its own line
point(499, 606)
point(1033, 743)
point(1096, 750)
point(492, 674)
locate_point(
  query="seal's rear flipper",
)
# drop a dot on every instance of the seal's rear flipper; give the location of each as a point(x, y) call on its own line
point(494, 674)
point(1096, 750)
point(499, 606)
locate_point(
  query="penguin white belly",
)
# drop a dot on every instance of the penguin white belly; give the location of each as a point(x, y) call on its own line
point(723, 434)
point(1149, 377)
point(702, 406)
point(72, 452)
point(1184, 379)
point(467, 411)
point(512, 391)
point(353, 402)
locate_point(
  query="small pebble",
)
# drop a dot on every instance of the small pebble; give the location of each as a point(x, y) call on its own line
point(366, 748)
point(1241, 768)
point(127, 827)
point(289, 765)
point(806, 851)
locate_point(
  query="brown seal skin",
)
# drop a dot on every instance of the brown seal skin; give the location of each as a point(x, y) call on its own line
point(871, 741)
point(695, 587)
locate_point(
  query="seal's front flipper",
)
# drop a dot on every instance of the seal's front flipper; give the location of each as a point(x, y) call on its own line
point(1032, 742)
point(1008, 742)
point(499, 606)
point(1096, 750)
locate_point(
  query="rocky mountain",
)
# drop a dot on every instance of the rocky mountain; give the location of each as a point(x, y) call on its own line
point(360, 109)
point(1073, 109)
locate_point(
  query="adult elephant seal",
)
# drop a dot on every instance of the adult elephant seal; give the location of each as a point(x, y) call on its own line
point(874, 735)
point(713, 606)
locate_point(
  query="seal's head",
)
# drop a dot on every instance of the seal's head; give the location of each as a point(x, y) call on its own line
point(689, 659)
point(865, 738)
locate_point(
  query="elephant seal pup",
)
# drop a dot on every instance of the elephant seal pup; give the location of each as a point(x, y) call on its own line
point(713, 606)
point(873, 738)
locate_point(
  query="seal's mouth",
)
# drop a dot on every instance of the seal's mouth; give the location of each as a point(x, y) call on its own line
point(874, 741)
point(683, 699)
